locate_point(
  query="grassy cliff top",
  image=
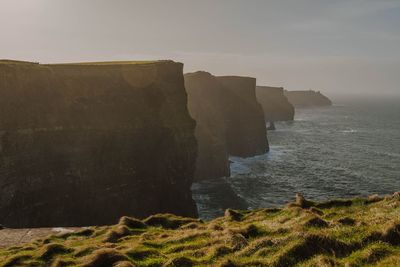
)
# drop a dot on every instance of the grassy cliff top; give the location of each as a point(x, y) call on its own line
point(357, 232)
point(9, 61)
point(138, 62)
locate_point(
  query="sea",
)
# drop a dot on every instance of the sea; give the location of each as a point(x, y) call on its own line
point(349, 149)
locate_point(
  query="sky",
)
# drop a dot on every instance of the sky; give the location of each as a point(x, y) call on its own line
point(337, 47)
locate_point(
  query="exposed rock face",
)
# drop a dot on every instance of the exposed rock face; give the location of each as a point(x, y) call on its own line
point(301, 99)
point(229, 120)
point(275, 104)
point(206, 104)
point(83, 144)
point(246, 129)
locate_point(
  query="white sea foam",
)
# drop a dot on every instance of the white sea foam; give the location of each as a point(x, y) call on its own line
point(311, 157)
point(349, 131)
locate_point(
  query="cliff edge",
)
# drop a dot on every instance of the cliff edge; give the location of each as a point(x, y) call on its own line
point(246, 129)
point(275, 104)
point(85, 143)
point(206, 104)
point(310, 98)
point(229, 119)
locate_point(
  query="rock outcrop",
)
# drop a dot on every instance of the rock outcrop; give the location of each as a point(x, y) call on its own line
point(83, 144)
point(229, 121)
point(310, 98)
point(275, 104)
point(246, 129)
point(206, 104)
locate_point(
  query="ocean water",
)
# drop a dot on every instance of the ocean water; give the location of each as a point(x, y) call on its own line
point(349, 149)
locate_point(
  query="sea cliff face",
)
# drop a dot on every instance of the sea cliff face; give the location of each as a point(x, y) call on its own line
point(246, 130)
point(229, 120)
point(206, 104)
point(275, 104)
point(83, 144)
point(302, 99)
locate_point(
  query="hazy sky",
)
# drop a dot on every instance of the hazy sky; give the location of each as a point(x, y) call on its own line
point(347, 46)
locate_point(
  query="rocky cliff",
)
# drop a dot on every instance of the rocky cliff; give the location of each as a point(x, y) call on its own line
point(246, 130)
point(83, 144)
point(275, 104)
point(206, 104)
point(229, 120)
point(310, 98)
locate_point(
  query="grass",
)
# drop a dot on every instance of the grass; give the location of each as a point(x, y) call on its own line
point(357, 232)
point(102, 63)
point(99, 63)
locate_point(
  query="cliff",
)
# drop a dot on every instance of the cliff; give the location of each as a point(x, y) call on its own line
point(246, 129)
point(229, 120)
point(206, 104)
point(275, 104)
point(302, 99)
point(84, 144)
point(354, 232)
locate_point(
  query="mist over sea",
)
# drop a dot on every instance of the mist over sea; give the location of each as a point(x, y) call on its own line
point(349, 149)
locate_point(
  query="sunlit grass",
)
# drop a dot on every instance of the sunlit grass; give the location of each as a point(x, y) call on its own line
point(361, 232)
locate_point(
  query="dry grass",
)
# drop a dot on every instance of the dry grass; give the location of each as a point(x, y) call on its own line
point(358, 232)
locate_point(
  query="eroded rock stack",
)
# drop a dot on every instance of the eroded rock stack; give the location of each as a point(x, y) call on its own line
point(84, 144)
point(275, 104)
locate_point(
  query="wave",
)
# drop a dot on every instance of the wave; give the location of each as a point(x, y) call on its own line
point(349, 131)
point(332, 153)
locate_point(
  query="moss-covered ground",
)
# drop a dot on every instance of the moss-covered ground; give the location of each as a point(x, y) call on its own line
point(357, 232)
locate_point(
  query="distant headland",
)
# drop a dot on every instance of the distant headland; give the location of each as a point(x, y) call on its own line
point(310, 98)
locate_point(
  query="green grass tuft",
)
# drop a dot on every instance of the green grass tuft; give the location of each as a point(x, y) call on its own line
point(358, 232)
